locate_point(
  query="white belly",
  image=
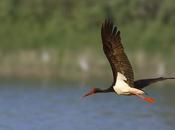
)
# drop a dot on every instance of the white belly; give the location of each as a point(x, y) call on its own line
point(121, 87)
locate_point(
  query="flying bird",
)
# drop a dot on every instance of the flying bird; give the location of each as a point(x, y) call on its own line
point(123, 76)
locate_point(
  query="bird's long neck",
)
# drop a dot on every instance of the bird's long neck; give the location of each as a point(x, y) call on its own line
point(97, 90)
point(110, 89)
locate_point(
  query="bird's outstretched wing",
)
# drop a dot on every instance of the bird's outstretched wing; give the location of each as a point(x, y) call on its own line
point(114, 52)
point(145, 82)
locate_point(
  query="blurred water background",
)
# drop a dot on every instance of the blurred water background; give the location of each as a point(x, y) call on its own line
point(44, 106)
point(51, 53)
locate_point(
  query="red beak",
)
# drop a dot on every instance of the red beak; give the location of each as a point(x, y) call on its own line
point(89, 93)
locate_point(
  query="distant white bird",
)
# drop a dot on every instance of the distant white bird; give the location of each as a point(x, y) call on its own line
point(83, 63)
point(45, 57)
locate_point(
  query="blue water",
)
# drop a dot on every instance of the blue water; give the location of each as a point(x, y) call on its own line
point(35, 106)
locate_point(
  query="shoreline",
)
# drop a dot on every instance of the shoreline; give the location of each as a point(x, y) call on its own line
point(73, 66)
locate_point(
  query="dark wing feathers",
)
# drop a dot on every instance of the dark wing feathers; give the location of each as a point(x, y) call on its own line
point(114, 52)
point(145, 82)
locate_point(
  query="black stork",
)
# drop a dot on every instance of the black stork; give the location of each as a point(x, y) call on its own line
point(123, 76)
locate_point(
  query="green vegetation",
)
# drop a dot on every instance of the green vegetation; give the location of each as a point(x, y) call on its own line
point(26, 24)
point(71, 26)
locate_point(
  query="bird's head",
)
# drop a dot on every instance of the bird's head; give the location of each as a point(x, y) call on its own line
point(92, 91)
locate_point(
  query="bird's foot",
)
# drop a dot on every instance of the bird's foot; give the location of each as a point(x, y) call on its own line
point(147, 99)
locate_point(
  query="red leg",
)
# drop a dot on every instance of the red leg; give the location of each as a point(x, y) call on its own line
point(147, 99)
